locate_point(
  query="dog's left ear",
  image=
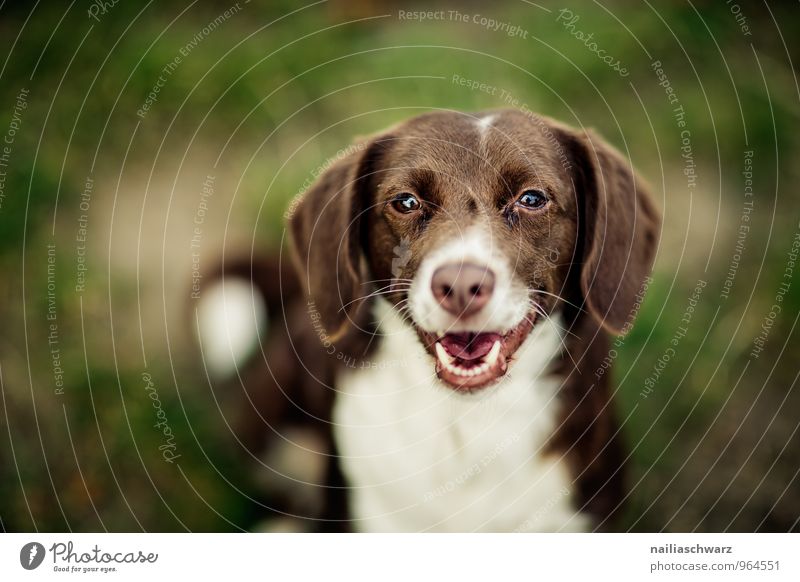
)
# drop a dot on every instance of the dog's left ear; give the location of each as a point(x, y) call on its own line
point(619, 233)
point(325, 228)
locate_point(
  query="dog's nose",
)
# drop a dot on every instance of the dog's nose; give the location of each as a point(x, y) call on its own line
point(462, 288)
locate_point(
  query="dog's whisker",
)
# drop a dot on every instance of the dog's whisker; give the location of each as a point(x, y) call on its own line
point(399, 310)
point(378, 293)
point(559, 297)
point(392, 280)
point(538, 308)
point(392, 286)
point(573, 263)
point(403, 312)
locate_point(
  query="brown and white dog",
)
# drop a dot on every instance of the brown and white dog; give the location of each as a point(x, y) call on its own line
point(459, 278)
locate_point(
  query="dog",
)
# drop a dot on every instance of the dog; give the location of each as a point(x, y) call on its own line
point(446, 327)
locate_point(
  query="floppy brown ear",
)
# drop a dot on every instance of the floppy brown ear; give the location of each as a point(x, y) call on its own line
point(325, 228)
point(620, 231)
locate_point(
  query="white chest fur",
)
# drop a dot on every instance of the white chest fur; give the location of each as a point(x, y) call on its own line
point(419, 457)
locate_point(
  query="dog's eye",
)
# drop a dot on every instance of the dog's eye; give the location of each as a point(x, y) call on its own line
point(405, 203)
point(534, 199)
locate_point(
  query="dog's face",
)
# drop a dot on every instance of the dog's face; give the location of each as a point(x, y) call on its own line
point(476, 228)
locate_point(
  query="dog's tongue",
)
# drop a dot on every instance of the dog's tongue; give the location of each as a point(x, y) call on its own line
point(468, 345)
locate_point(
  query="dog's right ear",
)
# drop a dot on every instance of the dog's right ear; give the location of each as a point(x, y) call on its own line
point(325, 226)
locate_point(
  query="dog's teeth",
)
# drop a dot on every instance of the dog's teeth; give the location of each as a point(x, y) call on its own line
point(449, 362)
point(494, 353)
point(450, 365)
point(443, 356)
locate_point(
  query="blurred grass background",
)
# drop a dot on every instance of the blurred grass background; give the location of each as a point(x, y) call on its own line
point(265, 98)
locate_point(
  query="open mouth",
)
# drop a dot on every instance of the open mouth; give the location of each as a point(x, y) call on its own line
point(469, 361)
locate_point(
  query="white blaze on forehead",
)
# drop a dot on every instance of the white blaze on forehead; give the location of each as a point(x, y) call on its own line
point(484, 123)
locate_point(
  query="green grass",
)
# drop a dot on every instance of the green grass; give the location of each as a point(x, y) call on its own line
point(333, 80)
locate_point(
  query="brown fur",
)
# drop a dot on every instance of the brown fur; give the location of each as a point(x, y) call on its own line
point(593, 245)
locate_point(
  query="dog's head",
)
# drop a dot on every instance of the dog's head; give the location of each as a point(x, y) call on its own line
point(476, 227)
